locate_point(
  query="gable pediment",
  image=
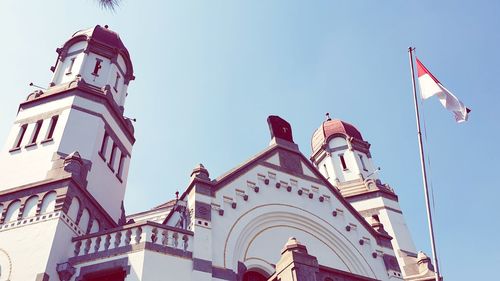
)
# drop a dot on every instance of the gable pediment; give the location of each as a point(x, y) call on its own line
point(285, 166)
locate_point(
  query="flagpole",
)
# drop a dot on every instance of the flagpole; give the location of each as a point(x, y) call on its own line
point(422, 163)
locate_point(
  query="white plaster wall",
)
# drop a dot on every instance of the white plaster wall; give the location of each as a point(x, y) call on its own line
point(97, 107)
point(397, 228)
point(377, 202)
point(274, 159)
point(279, 214)
point(103, 73)
point(172, 268)
point(337, 142)
point(135, 261)
point(75, 131)
point(394, 223)
point(61, 249)
point(30, 207)
point(122, 64)
point(368, 164)
point(267, 245)
point(32, 164)
point(60, 74)
point(29, 248)
point(84, 133)
point(118, 93)
point(353, 163)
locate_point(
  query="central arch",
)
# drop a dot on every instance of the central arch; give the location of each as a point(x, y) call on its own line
point(255, 274)
point(267, 219)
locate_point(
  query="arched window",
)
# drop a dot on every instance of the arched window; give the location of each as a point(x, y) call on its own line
point(252, 275)
point(30, 207)
point(48, 203)
point(95, 227)
point(13, 211)
point(74, 208)
point(84, 220)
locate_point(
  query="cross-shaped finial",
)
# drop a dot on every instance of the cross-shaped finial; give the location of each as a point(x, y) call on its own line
point(328, 117)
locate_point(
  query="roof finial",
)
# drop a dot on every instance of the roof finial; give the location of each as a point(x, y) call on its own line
point(106, 26)
point(328, 117)
point(177, 196)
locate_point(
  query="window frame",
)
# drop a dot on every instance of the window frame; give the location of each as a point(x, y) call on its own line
point(36, 133)
point(20, 137)
point(104, 146)
point(52, 127)
point(362, 163)
point(70, 68)
point(343, 163)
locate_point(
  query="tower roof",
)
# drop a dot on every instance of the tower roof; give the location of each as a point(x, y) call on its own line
point(333, 127)
point(102, 35)
point(103, 41)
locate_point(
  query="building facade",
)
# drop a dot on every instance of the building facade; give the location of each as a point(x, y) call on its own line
point(278, 216)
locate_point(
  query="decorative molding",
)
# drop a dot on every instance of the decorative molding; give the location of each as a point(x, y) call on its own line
point(80, 88)
point(122, 250)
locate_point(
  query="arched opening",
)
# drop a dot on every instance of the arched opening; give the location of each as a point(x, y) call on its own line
point(254, 275)
point(30, 207)
point(48, 203)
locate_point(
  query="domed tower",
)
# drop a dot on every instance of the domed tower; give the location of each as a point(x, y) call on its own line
point(81, 111)
point(65, 162)
point(342, 155)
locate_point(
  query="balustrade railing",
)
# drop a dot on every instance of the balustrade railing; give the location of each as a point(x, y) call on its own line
point(133, 234)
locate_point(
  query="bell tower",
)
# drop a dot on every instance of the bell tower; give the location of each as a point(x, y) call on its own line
point(342, 155)
point(80, 114)
point(65, 162)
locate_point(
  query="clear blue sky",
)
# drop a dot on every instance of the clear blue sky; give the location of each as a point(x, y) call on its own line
point(210, 72)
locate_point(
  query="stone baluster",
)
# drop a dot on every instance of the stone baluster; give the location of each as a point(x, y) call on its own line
point(138, 235)
point(164, 238)
point(77, 249)
point(87, 244)
point(107, 242)
point(97, 244)
point(185, 243)
point(128, 237)
point(154, 235)
point(117, 239)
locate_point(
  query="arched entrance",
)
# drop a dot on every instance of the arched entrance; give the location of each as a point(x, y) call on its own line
point(253, 275)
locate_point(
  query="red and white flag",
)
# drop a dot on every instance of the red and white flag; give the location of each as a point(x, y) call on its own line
point(430, 86)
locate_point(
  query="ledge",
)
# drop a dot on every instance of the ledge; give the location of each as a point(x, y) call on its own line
point(111, 167)
point(47, 140)
point(14, 149)
point(30, 145)
point(102, 156)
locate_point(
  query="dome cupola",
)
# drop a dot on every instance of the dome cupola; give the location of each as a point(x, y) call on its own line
point(340, 152)
point(331, 128)
point(98, 57)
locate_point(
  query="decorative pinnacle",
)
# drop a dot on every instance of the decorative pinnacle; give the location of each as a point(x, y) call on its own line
point(328, 116)
point(200, 172)
point(294, 245)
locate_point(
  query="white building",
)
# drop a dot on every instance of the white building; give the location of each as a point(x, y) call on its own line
point(64, 172)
